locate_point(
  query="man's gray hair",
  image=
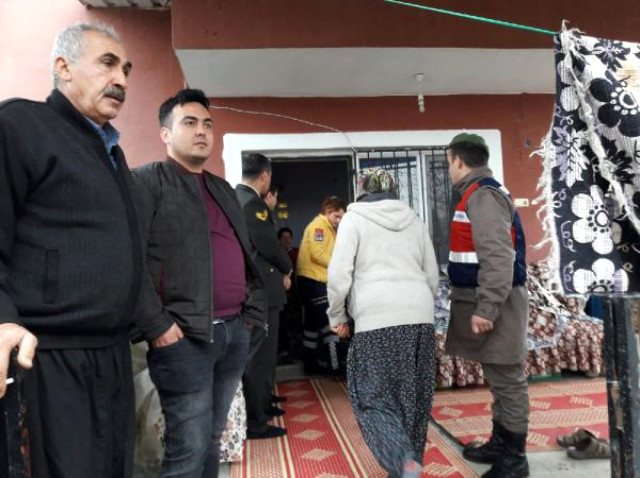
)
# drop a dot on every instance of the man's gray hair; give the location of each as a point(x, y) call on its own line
point(70, 42)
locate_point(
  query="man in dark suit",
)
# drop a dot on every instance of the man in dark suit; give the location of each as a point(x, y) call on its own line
point(275, 268)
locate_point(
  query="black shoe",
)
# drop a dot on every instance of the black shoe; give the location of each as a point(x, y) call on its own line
point(512, 462)
point(270, 432)
point(489, 452)
point(275, 412)
point(278, 399)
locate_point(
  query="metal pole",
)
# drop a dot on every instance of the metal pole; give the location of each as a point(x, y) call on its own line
point(621, 364)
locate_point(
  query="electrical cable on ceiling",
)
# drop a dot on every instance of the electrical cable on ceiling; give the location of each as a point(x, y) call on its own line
point(474, 17)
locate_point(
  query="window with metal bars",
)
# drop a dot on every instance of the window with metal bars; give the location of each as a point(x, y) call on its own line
point(422, 177)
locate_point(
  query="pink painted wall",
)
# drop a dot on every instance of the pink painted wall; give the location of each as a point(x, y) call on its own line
point(27, 30)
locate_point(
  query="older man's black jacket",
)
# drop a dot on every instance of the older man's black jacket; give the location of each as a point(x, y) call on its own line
point(70, 251)
point(179, 284)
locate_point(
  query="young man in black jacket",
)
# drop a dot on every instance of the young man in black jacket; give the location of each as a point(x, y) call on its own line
point(71, 260)
point(204, 292)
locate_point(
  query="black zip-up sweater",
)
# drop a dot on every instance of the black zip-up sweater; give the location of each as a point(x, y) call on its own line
point(179, 287)
point(70, 248)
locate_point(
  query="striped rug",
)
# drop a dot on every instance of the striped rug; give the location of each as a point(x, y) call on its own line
point(556, 408)
point(324, 441)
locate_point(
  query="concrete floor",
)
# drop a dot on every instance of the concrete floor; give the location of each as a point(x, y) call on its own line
point(556, 464)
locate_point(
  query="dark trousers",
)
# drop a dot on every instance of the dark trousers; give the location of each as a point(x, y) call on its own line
point(510, 390)
point(290, 335)
point(321, 347)
point(259, 374)
point(196, 382)
point(81, 414)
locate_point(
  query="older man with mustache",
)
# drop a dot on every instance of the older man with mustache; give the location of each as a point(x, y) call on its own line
point(71, 260)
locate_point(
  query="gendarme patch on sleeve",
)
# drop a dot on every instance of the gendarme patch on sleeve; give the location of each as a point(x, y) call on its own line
point(318, 235)
point(262, 215)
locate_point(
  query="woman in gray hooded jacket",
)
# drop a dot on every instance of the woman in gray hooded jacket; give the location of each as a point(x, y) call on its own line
point(384, 275)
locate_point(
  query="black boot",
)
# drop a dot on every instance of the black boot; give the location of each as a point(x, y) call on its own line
point(489, 452)
point(512, 462)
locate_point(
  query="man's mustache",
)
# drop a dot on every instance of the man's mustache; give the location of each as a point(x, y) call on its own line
point(115, 92)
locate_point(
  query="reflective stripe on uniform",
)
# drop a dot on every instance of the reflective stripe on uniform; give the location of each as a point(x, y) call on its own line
point(463, 257)
point(309, 344)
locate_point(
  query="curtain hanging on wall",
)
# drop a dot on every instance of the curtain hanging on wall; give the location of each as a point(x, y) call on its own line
point(591, 175)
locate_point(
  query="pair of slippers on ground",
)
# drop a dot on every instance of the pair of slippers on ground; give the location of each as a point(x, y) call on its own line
point(584, 445)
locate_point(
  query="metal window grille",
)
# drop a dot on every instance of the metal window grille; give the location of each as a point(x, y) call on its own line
point(422, 177)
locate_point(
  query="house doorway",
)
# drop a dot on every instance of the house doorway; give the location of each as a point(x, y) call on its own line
point(303, 182)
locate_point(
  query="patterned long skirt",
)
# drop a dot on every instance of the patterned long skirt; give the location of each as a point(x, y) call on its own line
point(391, 380)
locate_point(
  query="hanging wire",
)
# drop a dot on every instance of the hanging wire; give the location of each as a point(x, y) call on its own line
point(474, 17)
point(291, 118)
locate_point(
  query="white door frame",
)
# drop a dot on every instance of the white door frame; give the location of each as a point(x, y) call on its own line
point(320, 144)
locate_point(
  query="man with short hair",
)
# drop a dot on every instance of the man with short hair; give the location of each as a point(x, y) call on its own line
point(204, 293)
point(271, 198)
point(275, 268)
point(489, 301)
point(285, 236)
point(71, 260)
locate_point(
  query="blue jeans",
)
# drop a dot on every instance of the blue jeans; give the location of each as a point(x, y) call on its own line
point(196, 382)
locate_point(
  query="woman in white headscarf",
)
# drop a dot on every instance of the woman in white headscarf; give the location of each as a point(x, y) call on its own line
point(384, 275)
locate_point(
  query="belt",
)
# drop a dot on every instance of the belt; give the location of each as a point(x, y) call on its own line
point(226, 318)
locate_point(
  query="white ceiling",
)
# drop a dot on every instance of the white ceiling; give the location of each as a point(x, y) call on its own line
point(354, 72)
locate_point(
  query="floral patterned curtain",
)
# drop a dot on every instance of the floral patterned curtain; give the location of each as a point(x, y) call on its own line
point(591, 181)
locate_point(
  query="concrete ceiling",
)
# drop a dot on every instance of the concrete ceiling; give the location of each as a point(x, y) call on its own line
point(366, 72)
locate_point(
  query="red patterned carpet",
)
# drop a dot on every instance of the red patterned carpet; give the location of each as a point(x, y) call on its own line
point(324, 441)
point(557, 408)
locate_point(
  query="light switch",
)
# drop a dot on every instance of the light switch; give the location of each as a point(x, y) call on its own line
point(521, 202)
